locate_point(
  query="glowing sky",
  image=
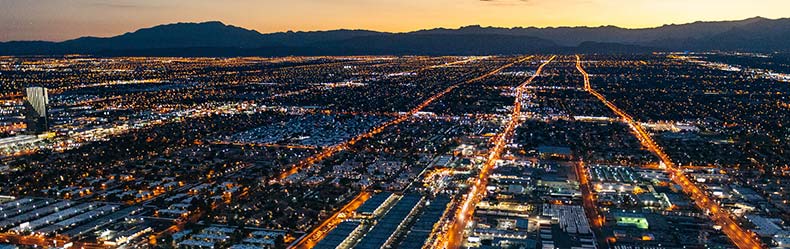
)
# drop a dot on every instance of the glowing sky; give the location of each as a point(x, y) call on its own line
point(66, 19)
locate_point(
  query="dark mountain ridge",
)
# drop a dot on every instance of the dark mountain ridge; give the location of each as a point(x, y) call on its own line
point(218, 39)
point(573, 36)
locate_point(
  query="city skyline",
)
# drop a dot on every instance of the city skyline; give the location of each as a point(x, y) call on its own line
point(366, 124)
point(67, 19)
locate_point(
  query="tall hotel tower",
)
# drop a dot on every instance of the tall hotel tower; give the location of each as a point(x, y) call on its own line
point(36, 106)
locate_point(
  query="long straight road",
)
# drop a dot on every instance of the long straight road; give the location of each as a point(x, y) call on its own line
point(317, 233)
point(588, 198)
point(739, 236)
point(310, 239)
point(453, 236)
point(378, 129)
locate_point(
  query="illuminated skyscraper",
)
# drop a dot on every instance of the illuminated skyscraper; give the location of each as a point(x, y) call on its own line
point(36, 106)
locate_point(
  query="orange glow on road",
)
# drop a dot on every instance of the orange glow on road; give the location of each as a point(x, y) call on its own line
point(453, 236)
point(588, 199)
point(740, 237)
point(318, 233)
point(307, 162)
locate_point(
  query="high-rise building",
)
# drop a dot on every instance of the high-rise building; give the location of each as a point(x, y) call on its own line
point(36, 106)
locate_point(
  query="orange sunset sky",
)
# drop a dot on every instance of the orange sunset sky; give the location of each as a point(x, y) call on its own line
point(66, 19)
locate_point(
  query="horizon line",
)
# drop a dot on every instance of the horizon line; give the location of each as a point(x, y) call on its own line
point(402, 32)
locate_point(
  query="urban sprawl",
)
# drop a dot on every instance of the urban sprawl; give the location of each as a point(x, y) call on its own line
point(662, 150)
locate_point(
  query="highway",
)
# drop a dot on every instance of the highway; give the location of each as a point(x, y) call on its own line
point(739, 236)
point(452, 236)
point(588, 198)
point(316, 234)
point(378, 129)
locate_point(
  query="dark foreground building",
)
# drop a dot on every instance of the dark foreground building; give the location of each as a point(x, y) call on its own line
point(36, 107)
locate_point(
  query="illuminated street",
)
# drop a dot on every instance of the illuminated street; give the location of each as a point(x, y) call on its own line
point(393, 152)
point(742, 238)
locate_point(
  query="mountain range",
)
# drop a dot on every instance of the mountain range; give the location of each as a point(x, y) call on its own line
point(218, 39)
